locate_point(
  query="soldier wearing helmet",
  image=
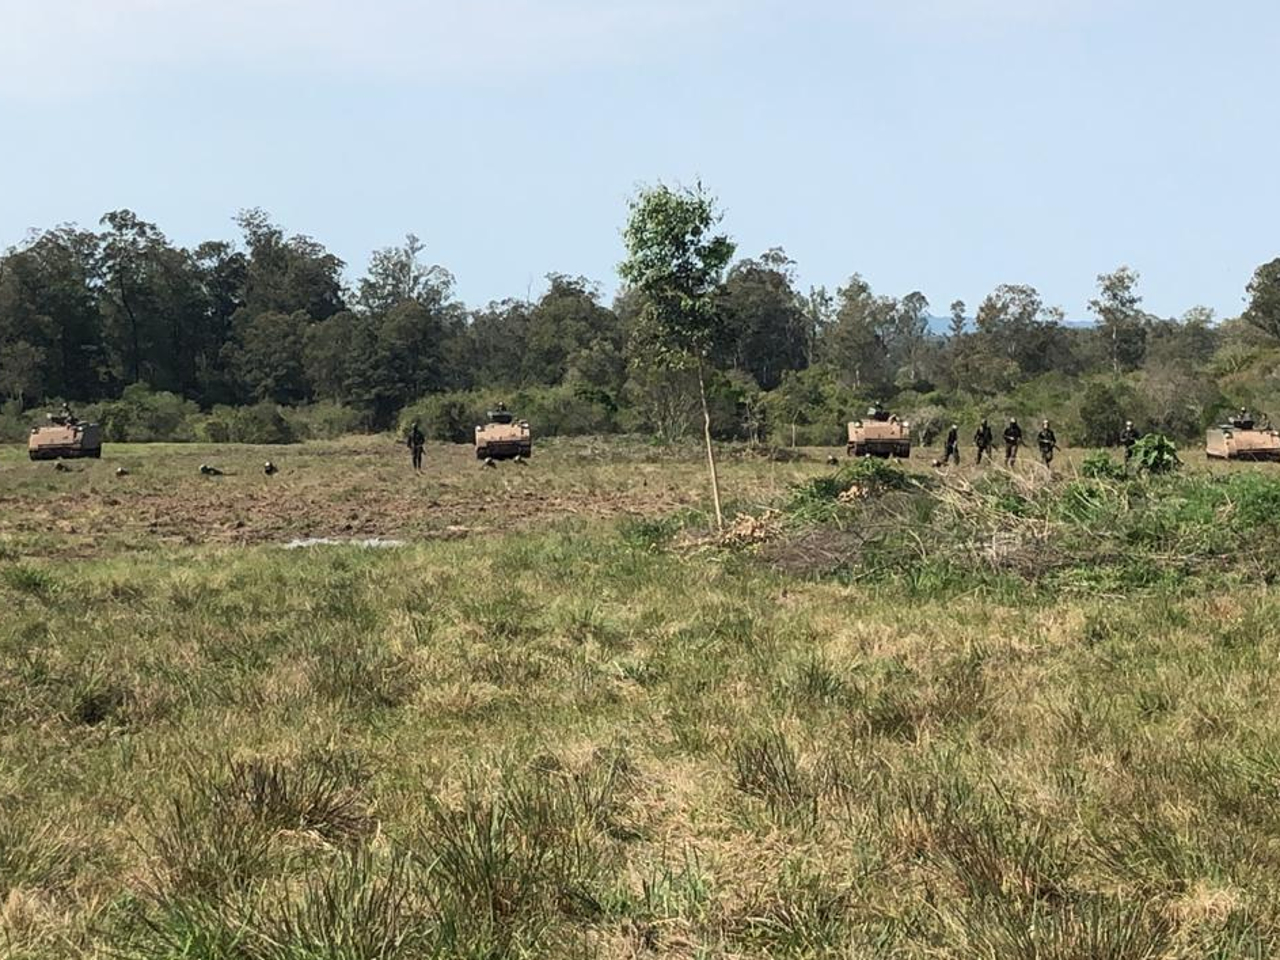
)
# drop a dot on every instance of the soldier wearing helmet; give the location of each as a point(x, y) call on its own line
point(1047, 440)
point(951, 450)
point(416, 442)
point(1012, 440)
point(1128, 437)
point(983, 440)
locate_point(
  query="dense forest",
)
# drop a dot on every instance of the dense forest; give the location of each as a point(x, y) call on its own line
point(265, 339)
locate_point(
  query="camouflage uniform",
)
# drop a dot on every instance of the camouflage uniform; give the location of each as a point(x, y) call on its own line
point(1012, 440)
point(1129, 436)
point(416, 442)
point(952, 448)
point(1048, 442)
point(983, 440)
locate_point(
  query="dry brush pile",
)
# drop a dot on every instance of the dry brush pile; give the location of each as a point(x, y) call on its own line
point(1109, 532)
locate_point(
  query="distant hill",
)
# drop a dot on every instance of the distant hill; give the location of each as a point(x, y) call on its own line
point(940, 325)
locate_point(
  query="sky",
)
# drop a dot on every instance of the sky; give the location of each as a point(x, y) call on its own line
point(945, 146)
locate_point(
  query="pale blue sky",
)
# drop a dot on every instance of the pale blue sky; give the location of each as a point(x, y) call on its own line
point(941, 145)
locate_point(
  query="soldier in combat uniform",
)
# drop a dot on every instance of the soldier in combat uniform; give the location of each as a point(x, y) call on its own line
point(416, 442)
point(1047, 441)
point(1129, 436)
point(1012, 440)
point(983, 440)
point(952, 448)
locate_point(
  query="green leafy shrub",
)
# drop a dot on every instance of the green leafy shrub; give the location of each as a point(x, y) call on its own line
point(259, 423)
point(868, 474)
point(14, 422)
point(1155, 453)
point(142, 415)
point(324, 421)
point(826, 498)
point(564, 411)
point(447, 417)
point(1099, 466)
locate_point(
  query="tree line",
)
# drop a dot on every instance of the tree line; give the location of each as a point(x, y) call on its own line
point(271, 319)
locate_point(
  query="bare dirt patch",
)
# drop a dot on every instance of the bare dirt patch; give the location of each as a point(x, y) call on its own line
point(360, 488)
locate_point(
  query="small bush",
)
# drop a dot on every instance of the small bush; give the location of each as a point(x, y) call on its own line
point(204, 848)
point(324, 421)
point(1099, 466)
point(1155, 453)
point(96, 700)
point(930, 422)
point(448, 417)
point(565, 411)
point(868, 475)
point(1254, 499)
point(15, 424)
point(142, 415)
point(1098, 927)
point(816, 684)
point(259, 423)
point(354, 909)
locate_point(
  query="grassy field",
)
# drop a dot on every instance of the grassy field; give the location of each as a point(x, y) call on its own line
point(1029, 718)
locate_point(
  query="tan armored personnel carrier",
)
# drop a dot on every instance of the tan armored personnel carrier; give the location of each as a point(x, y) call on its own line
point(64, 438)
point(879, 434)
point(1240, 438)
point(503, 437)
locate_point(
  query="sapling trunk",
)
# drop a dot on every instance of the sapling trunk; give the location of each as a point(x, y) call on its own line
point(711, 457)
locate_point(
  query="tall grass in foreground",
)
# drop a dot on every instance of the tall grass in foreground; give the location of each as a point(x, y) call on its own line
point(574, 744)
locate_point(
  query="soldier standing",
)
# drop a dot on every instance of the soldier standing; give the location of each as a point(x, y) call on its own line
point(1012, 440)
point(983, 440)
point(1129, 436)
point(416, 442)
point(1048, 442)
point(952, 449)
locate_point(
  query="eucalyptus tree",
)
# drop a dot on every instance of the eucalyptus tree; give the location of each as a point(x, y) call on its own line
point(676, 260)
